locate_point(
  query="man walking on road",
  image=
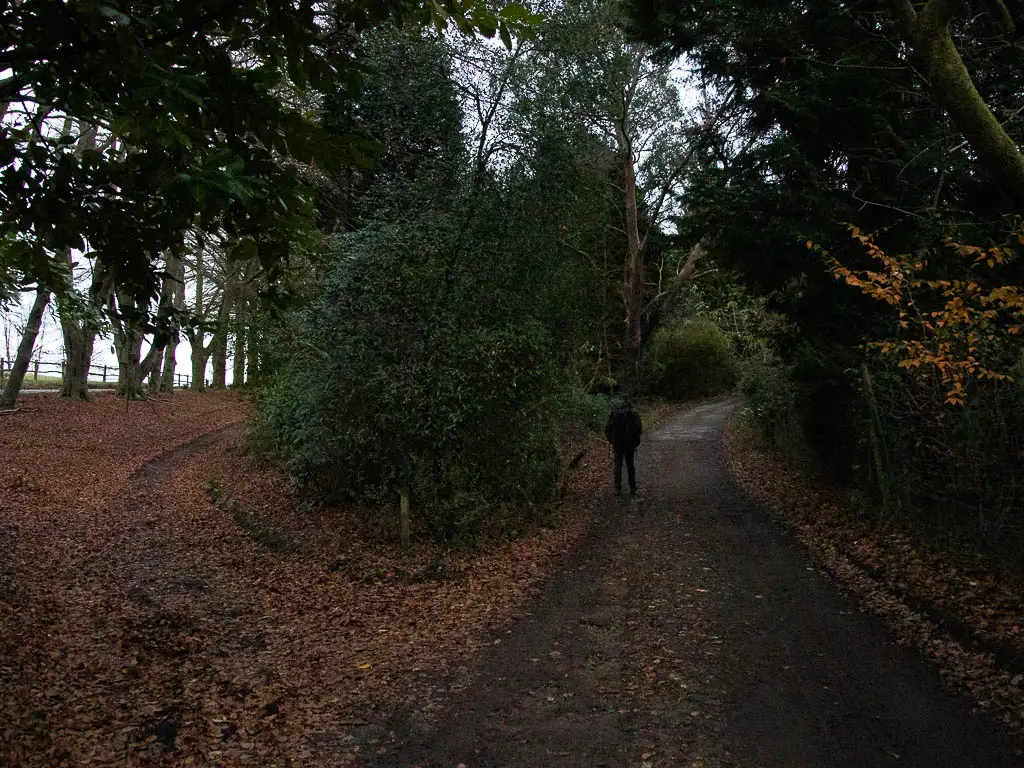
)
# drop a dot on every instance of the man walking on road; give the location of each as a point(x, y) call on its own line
point(623, 433)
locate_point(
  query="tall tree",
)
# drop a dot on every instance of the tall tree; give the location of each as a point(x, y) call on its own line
point(589, 72)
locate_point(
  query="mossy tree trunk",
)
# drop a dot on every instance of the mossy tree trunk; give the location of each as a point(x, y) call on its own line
point(928, 32)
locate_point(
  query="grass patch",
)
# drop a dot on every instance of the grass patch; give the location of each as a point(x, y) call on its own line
point(43, 382)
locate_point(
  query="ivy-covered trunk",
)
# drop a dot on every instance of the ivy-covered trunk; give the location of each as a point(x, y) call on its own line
point(28, 342)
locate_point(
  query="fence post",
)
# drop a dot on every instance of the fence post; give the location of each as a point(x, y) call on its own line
point(104, 374)
point(35, 374)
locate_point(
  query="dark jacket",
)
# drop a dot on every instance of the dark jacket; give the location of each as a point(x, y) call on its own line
point(624, 428)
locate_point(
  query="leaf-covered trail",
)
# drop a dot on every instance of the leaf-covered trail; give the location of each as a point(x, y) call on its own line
point(143, 625)
point(688, 629)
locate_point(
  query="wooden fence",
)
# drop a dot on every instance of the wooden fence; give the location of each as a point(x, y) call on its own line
point(103, 374)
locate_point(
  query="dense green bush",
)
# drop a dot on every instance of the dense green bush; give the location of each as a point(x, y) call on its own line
point(692, 359)
point(400, 378)
point(771, 398)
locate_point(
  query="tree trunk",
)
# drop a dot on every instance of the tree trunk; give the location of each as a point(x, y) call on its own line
point(78, 344)
point(219, 353)
point(635, 272)
point(241, 318)
point(176, 270)
point(219, 343)
point(128, 343)
point(199, 357)
point(166, 331)
point(403, 517)
point(79, 339)
point(668, 295)
point(28, 342)
point(928, 32)
point(149, 368)
point(252, 353)
point(238, 364)
point(167, 375)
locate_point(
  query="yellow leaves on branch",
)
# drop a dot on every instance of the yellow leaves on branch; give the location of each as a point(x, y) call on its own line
point(949, 324)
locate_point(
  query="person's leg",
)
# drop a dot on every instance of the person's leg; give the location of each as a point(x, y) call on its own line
point(631, 468)
point(618, 469)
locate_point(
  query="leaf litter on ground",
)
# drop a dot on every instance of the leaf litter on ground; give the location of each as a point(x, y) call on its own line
point(146, 620)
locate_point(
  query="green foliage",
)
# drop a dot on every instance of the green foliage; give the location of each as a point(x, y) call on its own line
point(409, 113)
point(828, 140)
point(198, 114)
point(471, 288)
point(691, 359)
point(591, 411)
point(771, 398)
point(832, 126)
point(402, 379)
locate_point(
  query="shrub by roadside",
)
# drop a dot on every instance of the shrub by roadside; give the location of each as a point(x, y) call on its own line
point(688, 360)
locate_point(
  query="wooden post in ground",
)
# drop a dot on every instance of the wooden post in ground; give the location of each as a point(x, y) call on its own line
point(35, 372)
point(403, 519)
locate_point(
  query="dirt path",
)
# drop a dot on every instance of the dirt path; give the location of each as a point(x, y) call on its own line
point(688, 629)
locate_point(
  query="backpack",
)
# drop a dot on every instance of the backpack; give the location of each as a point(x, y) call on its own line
point(622, 427)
